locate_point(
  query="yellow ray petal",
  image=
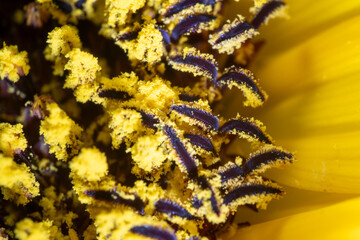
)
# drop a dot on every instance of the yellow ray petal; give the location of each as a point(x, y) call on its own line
point(318, 114)
point(290, 205)
point(307, 18)
point(328, 56)
point(339, 221)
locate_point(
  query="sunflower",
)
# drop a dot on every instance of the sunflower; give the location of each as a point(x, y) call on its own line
point(118, 121)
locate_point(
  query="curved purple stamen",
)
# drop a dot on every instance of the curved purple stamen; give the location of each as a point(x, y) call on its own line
point(264, 158)
point(265, 11)
point(166, 206)
point(184, 155)
point(245, 126)
point(153, 232)
point(178, 7)
point(199, 62)
point(249, 190)
point(240, 78)
point(112, 196)
point(198, 114)
point(188, 98)
point(233, 32)
point(189, 23)
point(200, 141)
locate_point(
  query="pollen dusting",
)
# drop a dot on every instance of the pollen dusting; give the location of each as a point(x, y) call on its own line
point(60, 132)
point(13, 64)
point(115, 133)
point(12, 139)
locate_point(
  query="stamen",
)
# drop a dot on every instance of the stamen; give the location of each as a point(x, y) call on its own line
point(188, 98)
point(198, 115)
point(128, 36)
point(181, 5)
point(149, 120)
point(200, 141)
point(79, 3)
point(112, 196)
point(245, 128)
point(153, 232)
point(193, 23)
point(264, 159)
point(245, 81)
point(265, 11)
point(165, 35)
point(63, 6)
point(232, 35)
point(196, 63)
point(166, 206)
point(182, 153)
point(249, 190)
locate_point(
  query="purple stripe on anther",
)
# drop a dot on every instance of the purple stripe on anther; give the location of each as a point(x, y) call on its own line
point(240, 78)
point(246, 127)
point(233, 32)
point(181, 5)
point(205, 65)
point(231, 173)
point(181, 151)
point(166, 206)
point(114, 94)
point(128, 36)
point(165, 35)
point(190, 23)
point(79, 3)
point(198, 114)
point(149, 120)
point(265, 11)
point(265, 158)
point(188, 98)
point(153, 232)
point(63, 6)
point(112, 196)
point(204, 184)
point(249, 190)
point(200, 141)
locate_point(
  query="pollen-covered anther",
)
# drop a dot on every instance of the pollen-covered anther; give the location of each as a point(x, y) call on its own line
point(171, 208)
point(267, 157)
point(193, 24)
point(266, 10)
point(247, 128)
point(186, 160)
point(259, 194)
point(192, 61)
point(200, 117)
point(232, 35)
point(184, 7)
point(153, 232)
point(130, 200)
point(244, 80)
point(200, 141)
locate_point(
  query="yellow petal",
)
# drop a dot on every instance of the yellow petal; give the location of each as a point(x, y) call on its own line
point(290, 205)
point(307, 18)
point(328, 56)
point(339, 221)
point(314, 109)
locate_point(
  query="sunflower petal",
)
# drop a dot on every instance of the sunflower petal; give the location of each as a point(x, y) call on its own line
point(320, 110)
point(339, 221)
point(307, 18)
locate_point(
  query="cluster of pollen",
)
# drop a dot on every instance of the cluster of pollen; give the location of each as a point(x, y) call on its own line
point(138, 152)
